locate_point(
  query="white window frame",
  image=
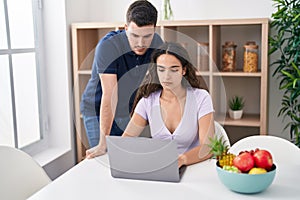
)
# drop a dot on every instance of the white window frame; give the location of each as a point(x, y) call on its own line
point(41, 144)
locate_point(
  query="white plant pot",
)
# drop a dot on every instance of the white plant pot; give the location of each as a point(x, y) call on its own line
point(235, 114)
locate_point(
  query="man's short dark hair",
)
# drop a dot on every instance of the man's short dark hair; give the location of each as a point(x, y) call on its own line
point(142, 13)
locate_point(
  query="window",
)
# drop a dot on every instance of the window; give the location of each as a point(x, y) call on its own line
point(21, 116)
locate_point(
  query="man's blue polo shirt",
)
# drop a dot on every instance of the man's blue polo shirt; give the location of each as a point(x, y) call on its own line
point(113, 55)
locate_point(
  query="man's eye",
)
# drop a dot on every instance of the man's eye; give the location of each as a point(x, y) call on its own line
point(161, 70)
point(174, 70)
point(135, 36)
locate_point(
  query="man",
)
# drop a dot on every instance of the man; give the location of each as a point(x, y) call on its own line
point(120, 63)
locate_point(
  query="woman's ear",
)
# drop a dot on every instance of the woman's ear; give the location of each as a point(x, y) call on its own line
point(183, 71)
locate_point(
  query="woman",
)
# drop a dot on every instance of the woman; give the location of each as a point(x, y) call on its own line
point(171, 102)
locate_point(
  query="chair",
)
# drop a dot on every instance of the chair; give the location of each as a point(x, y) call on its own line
point(220, 132)
point(282, 150)
point(20, 175)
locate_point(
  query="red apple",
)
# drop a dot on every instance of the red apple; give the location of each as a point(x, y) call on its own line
point(244, 161)
point(263, 159)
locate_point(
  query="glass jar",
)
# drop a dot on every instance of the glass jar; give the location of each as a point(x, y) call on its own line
point(250, 57)
point(202, 57)
point(228, 56)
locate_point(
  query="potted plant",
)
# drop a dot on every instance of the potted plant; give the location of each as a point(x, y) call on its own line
point(286, 42)
point(236, 105)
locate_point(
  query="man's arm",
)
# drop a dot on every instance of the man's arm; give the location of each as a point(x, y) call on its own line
point(108, 103)
point(107, 111)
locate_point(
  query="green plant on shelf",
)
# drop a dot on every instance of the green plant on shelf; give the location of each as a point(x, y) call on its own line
point(236, 103)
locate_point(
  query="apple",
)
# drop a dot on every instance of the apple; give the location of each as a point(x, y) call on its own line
point(263, 159)
point(244, 161)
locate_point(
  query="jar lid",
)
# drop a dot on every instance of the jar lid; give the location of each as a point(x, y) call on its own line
point(250, 45)
point(229, 44)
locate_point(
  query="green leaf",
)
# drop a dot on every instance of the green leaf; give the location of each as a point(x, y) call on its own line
point(288, 74)
point(295, 82)
point(272, 50)
point(296, 68)
point(296, 18)
point(286, 86)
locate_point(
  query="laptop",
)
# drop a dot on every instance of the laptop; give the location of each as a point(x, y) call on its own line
point(143, 159)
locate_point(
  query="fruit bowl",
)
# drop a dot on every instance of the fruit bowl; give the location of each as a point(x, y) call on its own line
point(246, 183)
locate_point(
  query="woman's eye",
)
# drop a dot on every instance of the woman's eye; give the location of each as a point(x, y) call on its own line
point(174, 70)
point(161, 70)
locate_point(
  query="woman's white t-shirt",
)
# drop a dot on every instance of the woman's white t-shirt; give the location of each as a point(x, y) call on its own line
point(198, 103)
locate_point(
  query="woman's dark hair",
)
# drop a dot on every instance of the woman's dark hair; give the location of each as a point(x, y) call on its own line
point(142, 13)
point(151, 82)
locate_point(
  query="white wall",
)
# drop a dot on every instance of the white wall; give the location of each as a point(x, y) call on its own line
point(60, 154)
point(114, 10)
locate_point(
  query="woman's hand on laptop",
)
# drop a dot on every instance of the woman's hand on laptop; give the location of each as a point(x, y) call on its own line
point(98, 150)
point(181, 160)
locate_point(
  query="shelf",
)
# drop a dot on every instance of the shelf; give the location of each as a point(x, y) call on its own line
point(85, 72)
point(100, 25)
point(221, 85)
point(238, 74)
point(249, 120)
point(206, 73)
point(248, 21)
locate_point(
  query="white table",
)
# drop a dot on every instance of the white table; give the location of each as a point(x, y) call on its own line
point(91, 179)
